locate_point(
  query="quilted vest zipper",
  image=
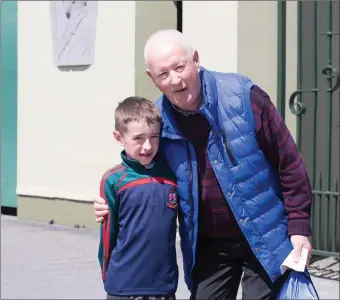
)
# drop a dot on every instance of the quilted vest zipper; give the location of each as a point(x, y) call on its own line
point(190, 182)
point(226, 146)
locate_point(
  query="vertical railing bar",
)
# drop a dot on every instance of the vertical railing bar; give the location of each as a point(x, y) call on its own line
point(329, 98)
point(329, 127)
point(299, 70)
point(313, 218)
point(318, 214)
point(281, 58)
point(315, 95)
point(315, 84)
point(326, 228)
point(334, 215)
point(312, 211)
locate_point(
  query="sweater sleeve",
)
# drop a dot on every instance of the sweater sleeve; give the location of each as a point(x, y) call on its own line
point(279, 147)
point(108, 230)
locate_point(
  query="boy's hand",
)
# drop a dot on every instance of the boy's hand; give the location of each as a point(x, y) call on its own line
point(100, 209)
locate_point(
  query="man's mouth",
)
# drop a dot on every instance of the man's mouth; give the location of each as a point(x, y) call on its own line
point(180, 90)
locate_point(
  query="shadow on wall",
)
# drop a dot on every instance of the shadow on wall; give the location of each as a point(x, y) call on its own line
point(74, 68)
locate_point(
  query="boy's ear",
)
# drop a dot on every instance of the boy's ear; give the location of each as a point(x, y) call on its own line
point(117, 136)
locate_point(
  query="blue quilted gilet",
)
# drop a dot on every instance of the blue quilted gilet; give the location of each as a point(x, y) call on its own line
point(248, 181)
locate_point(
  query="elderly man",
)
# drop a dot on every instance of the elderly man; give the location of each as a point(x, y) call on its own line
point(245, 196)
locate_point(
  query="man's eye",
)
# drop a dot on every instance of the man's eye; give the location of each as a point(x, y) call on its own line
point(163, 75)
point(180, 68)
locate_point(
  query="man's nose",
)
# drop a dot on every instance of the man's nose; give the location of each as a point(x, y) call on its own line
point(175, 79)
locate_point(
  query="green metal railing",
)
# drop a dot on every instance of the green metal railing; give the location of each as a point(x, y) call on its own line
point(307, 103)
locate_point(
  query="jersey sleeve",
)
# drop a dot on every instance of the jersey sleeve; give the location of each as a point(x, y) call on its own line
point(108, 228)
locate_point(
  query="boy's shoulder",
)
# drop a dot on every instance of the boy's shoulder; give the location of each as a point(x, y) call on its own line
point(114, 174)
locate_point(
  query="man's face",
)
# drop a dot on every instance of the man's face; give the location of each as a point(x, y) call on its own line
point(176, 75)
point(140, 141)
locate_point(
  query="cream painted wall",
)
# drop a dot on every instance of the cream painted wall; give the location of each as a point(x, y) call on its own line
point(235, 36)
point(211, 27)
point(150, 17)
point(257, 43)
point(65, 118)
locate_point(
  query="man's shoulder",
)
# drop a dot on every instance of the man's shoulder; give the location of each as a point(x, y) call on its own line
point(228, 77)
point(237, 77)
point(227, 83)
point(158, 102)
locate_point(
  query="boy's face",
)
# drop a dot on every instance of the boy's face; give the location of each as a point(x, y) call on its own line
point(140, 141)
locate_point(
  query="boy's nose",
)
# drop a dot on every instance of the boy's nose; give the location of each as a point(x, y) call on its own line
point(147, 145)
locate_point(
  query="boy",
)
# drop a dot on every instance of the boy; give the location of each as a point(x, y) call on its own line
point(137, 249)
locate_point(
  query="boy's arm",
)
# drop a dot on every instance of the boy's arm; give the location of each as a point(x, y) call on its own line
point(108, 230)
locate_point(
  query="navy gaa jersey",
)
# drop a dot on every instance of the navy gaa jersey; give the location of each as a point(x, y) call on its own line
point(137, 249)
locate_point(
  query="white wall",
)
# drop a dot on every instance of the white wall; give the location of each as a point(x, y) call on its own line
point(151, 16)
point(257, 44)
point(65, 119)
point(211, 27)
point(235, 36)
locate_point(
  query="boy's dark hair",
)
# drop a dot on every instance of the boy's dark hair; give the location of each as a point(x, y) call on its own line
point(135, 109)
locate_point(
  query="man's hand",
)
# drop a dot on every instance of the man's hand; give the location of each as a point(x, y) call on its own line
point(100, 209)
point(299, 242)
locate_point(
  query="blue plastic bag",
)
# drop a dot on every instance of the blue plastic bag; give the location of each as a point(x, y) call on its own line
point(298, 285)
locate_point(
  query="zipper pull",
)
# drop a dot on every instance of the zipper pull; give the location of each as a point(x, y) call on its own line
point(190, 175)
point(229, 153)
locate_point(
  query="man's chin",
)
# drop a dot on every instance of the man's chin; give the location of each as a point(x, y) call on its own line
point(188, 105)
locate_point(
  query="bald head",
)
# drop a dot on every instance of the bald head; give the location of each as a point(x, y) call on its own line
point(174, 68)
point(163, 40)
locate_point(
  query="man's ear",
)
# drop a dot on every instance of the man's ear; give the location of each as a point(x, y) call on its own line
point(117, 136)
point(147, 71)
point(196, 59)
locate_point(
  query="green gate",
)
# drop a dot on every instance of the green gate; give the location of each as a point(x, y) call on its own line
point(316, 104)
point(8, 124)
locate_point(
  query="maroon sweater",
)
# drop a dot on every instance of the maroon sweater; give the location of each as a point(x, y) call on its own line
point(215, 217)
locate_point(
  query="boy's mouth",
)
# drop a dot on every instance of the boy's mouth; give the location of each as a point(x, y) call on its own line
point(145, 154)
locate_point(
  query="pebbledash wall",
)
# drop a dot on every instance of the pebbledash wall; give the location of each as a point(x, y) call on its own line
point(65, 117)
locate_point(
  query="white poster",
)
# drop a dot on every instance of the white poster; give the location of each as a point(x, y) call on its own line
point(73, 32)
